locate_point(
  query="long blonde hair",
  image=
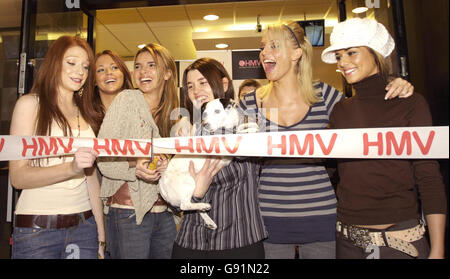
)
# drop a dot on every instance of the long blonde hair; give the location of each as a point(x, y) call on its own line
point(283, 33)
point(169, 98)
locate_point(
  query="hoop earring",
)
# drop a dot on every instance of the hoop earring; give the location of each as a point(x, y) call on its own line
point(80, 92)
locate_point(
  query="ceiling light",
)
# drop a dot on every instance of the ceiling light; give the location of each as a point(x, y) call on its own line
point(359, 10)
point(221, 45)
point(211, 17)
point(141, 45)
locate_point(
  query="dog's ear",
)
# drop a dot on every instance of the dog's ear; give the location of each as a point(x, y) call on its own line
point(228, 103)
point(225, 102)
point(202, 109)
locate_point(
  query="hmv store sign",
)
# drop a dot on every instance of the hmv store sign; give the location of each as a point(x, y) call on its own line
point(246, 64)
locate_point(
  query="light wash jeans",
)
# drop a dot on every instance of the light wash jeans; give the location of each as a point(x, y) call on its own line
point(152, 239)
point(79, 242)
point(314, 250)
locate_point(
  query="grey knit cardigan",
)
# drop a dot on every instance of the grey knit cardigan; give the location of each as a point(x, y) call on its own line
point(128, 117)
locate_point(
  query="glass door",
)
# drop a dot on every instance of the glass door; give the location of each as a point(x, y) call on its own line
point(42, 23)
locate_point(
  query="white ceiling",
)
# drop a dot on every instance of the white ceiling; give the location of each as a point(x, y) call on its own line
point(176, 27)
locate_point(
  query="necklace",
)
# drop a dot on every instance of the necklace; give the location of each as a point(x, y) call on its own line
point(78, 120)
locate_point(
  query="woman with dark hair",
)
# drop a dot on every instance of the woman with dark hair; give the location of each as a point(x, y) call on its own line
point(59, 213)
point(214, 76)
point(111, 77)
point(247, 86)
point(231, 190)
point(144, 228)
point(378, 210)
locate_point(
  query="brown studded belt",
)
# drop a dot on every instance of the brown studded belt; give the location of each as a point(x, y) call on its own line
point(59, 221)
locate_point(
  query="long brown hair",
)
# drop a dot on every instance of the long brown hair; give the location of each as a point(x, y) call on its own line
point(93, 100)
point(382, 65)
point(214, 72)
point(169, 99)
point(48, 81)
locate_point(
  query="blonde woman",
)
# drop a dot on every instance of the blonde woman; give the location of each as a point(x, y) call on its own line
point(296, 197)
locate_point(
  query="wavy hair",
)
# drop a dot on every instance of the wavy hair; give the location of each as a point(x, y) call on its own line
point(96, 107)
point(169, 99)
point(48, 81)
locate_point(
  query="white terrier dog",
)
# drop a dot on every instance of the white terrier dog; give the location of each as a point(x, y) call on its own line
point(176, 184)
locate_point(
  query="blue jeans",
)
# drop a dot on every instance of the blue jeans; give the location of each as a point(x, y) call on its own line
point(79, 242)
point(314, 250)
point(152, 239)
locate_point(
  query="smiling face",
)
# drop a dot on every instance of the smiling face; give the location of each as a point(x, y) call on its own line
point(74, 70)
point(146, 74)
point(199, 90)
point(356, 63)
point(108, 77)
point(278, 59)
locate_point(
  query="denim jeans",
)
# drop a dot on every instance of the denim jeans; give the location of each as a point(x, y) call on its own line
point(79, 242)
point(152, 239)
point(314, 250)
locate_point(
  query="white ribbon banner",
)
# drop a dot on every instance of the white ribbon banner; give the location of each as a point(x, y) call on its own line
point(388, 143)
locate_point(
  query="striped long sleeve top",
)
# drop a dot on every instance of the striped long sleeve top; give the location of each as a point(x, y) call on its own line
point(233, 195)
point(297, 200)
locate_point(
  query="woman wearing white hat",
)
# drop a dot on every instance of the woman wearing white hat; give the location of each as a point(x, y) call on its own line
point(378, 214)
point(296, 197)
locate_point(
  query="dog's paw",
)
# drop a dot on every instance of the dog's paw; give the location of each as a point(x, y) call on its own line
point(207, 207)
point(212, 226)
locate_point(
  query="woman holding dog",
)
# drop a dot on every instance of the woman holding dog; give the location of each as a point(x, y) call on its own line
point(376, 197)
point(297, 200)
point(144, 227)
point(231, 190)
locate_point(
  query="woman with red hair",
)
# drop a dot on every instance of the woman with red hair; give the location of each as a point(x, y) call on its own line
point(59, 213)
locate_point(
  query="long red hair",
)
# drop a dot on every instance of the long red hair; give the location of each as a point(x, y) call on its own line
point(48, 81)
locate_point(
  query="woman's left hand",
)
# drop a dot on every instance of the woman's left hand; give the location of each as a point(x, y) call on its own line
point(436, 255)
point(101, 251)
point(399, 88)
point(204, 177)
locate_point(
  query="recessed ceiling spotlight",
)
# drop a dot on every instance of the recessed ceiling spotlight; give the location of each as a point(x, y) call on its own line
point(211, 17)
point(221, 45)
point(141, 45)
point(360, 10)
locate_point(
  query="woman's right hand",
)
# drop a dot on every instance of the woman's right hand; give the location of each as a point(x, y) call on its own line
point(146, 174)
point(204, 177)
point(84, 158)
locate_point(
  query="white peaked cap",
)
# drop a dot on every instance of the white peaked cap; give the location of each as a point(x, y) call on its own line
point(357, 32)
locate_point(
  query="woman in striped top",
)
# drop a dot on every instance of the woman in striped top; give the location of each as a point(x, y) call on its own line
point(297, 200)
point(231, 191)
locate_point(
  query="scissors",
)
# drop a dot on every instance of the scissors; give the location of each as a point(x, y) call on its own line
point(153, 160)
